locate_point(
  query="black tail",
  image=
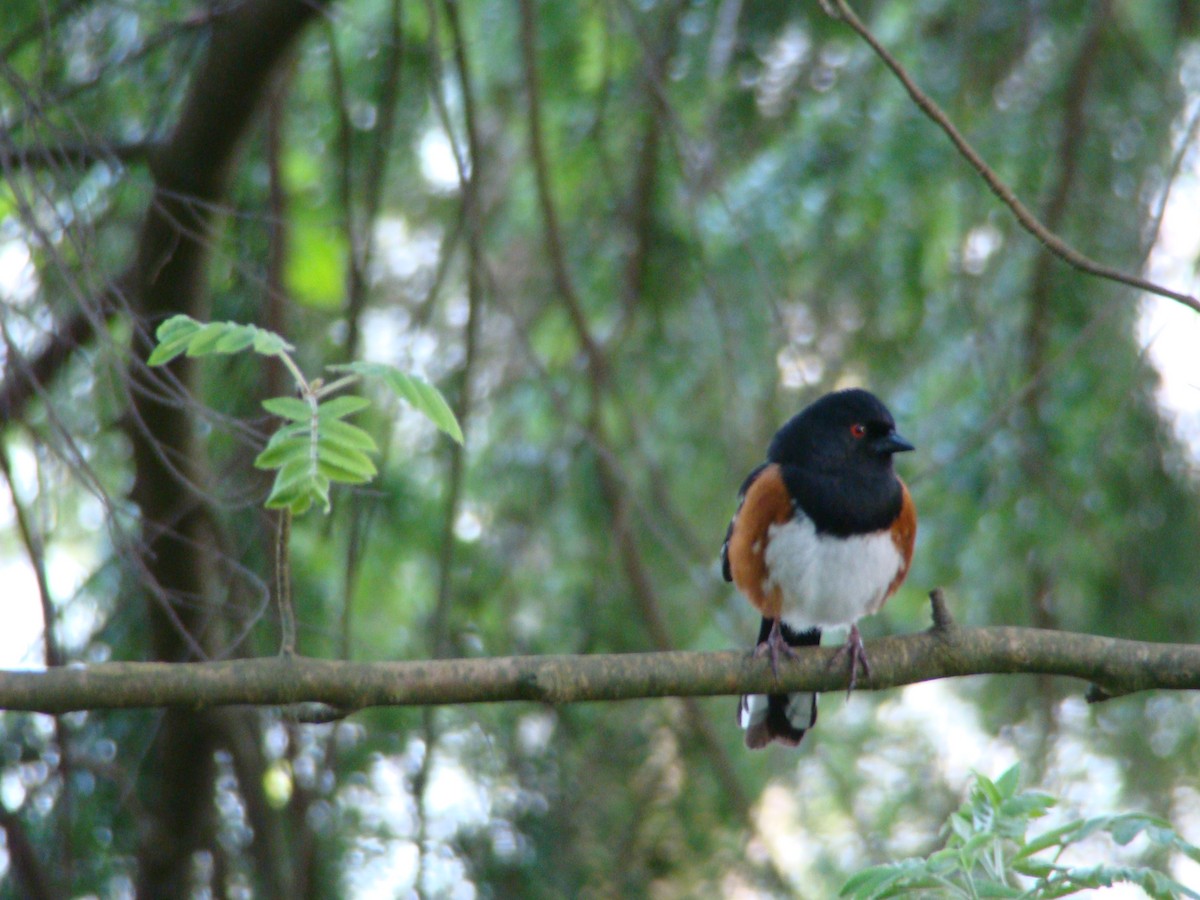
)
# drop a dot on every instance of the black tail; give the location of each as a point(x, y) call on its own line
point(779, 717)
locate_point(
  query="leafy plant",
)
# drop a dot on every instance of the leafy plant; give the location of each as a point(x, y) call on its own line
point(987, 853)
point(315, 447)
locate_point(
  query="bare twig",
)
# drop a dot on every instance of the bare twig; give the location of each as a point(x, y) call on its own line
point(35, 549)
point(79, 155)
point(469, 172)
point(541, 171)
point(1056, 245)
point(26, 378)
point(469, 181)
point(283, 584)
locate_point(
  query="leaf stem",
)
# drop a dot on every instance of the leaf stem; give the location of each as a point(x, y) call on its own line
point(301, 381)
point(335, 386)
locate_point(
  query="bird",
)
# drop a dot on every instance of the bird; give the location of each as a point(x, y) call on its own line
point(823, 534)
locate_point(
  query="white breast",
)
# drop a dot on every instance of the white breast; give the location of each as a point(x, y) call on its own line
point(828, 581)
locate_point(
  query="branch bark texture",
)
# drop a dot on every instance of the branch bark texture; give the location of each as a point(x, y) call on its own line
point(1111, 665)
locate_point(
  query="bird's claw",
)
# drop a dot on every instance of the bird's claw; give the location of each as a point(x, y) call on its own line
point(774, 647)
point(858, 657)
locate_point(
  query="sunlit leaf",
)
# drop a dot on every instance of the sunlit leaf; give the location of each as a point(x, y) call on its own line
point(316, 266)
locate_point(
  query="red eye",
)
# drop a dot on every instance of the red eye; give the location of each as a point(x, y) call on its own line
point(858, 431)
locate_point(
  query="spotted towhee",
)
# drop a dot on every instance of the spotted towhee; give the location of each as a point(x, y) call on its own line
point(823, 535)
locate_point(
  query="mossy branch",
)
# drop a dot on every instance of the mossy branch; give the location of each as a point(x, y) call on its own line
point(1112, 666)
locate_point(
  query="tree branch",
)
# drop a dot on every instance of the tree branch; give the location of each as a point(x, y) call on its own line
point(552, 233)
point(840, 9)
point(1113, 666)
point(75, 155)
point(26, 377)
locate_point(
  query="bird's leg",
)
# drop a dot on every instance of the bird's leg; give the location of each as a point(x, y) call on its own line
point(774, 646)
point(858, 657)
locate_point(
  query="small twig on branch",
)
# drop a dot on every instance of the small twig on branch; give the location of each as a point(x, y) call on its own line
point(1116, 666)
point(840, 9)
point(942, 619)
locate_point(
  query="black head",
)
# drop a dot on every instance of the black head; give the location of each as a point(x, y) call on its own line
point(848, 427)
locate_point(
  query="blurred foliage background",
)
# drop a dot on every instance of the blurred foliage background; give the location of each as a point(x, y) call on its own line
point(628, 240)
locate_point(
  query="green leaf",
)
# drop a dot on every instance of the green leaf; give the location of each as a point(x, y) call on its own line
point(996, 889)
point(206, 339)
point(960, 827)
point(1007, 783)
point(268, 343)
point(293, 473)
point(976, 842)
point(355, 465)
point(338, 475)
point(298, 501)
point(166, 352)
point(341, 452)
point(943, 860)
point(869, 882)
point(339, 407)
point(235, 340)
point(183, 334)
point(176, 327)
point(291, 430)
point(280, 453)
point(174, 335)
point(288, 408)
point(285, 493)
point(1030, 805)
point(1156, 884)
point(1125, 828)
point(346, 435)
point(1050, 838)
point(423, 396)
point(297, 486)
point(1035, 868)
point(989, 790)
point(893, 879)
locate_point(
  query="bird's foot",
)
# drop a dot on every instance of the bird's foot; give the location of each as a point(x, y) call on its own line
point(774, 647)
point(858, 657)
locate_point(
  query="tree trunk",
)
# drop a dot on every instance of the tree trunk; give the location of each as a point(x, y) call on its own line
point(190, 174)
